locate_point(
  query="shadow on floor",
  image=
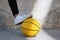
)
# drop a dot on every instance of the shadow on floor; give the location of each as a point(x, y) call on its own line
point(11, 35)
point(16, 32)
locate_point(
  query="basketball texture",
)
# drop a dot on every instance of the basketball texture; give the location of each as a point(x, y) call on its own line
point(30, 27)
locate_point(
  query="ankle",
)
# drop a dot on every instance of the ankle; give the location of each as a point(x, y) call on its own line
point(15, 15)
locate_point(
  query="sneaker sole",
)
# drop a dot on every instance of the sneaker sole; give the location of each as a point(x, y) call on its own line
point(23, 20)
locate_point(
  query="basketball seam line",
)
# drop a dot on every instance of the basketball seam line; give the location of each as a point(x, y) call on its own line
point(32, 23)
point(36, 33)
point(29, 29)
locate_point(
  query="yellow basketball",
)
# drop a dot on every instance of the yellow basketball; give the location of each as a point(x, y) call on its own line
point(30, 27)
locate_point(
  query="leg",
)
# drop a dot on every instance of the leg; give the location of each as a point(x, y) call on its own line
point(18, 18)
point(13, 6)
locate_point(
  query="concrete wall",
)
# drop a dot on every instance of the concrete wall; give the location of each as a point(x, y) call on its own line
point(24, 6)
point(50, 20)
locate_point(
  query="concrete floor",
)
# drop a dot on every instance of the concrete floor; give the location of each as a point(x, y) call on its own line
point(17, 35)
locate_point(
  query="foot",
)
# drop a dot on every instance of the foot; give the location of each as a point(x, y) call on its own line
point(20, 18)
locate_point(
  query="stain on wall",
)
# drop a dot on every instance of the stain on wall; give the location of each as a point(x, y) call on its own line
point(52, 20)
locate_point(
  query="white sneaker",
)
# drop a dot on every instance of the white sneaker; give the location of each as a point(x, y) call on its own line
point(21, 18)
